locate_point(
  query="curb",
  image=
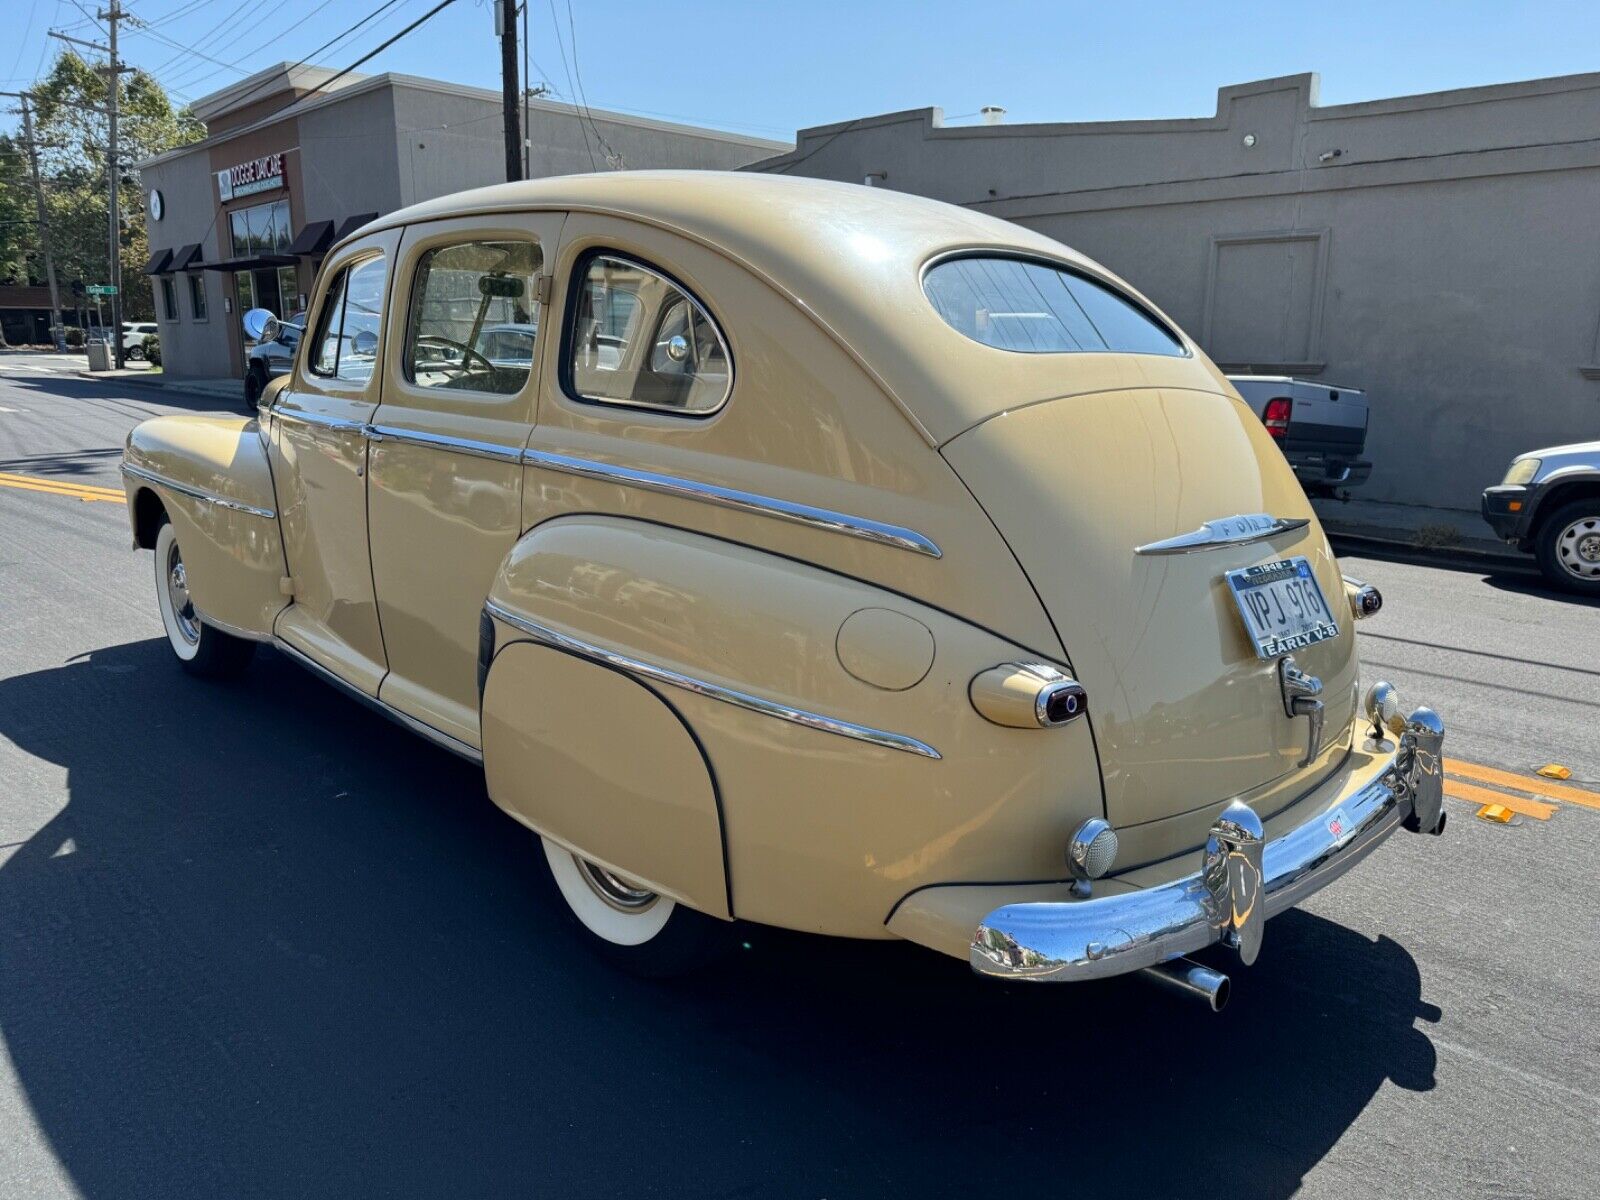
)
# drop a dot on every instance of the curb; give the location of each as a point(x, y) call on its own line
point(1456, 556)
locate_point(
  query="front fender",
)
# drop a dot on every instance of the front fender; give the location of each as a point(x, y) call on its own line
point(210, 477)
point(833, 716)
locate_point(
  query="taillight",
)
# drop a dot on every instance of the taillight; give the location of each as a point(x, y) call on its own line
point(1276, 416)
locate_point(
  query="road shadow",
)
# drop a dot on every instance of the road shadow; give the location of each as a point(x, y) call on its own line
point(275, 946)
point(69, 464)
point(1535, 585)
point(122, 390)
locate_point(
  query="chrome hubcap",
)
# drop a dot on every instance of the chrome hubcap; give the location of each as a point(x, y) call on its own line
point(1578, 548)
point(621, 894)
point(178, 594)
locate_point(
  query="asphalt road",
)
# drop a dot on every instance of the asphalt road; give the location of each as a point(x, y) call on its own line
point(256, 941)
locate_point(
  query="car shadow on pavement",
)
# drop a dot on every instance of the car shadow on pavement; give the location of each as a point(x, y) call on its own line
point(1523, 585)
point(67, 465)
point(274, 945)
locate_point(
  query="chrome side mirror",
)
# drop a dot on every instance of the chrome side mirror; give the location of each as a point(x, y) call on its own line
point(677, 347)
point(260, 325)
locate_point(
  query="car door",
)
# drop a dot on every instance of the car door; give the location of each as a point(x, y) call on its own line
point(445, 490)
point(319, 466)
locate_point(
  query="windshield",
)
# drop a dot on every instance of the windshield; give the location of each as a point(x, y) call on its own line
point(1039, 308)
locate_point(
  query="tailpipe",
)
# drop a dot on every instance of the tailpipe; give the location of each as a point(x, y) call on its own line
point(1193, 980)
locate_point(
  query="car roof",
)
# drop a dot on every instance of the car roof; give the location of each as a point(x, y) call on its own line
point(851, 257)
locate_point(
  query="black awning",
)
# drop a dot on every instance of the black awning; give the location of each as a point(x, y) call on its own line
point(259, 262)
point(158, 262)
point(351, 224)
point(313, 239)
point(186, 258)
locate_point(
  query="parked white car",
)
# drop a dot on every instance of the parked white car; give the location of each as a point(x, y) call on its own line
point(133, 335)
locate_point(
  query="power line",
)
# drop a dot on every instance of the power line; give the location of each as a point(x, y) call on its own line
point(613, 159)
point(555, 23)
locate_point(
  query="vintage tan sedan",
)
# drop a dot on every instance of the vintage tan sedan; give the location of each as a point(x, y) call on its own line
point(804, 554)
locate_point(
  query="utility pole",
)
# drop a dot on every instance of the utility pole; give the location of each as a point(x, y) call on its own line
point(113, 71)
point(505, 18)
point(57, 333)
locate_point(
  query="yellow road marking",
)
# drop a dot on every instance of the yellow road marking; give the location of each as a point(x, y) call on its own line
point(53, 487)
point(1523, 783)
point(1483, 795)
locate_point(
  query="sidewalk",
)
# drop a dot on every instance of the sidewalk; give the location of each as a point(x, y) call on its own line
point(1442, 533)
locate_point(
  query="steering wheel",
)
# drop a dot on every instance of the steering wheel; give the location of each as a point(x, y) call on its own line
point(450, 343)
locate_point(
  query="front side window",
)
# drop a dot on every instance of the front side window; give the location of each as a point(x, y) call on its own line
point(169, 298)
point(197, 296)
point(346, 345)
point(474, 317)
point(1039, 308)
point(637, 338)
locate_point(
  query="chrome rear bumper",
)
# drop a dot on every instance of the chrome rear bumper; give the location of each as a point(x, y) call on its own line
point(1242, 881)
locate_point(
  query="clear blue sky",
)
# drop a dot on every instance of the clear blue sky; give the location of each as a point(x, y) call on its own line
point(769, 68)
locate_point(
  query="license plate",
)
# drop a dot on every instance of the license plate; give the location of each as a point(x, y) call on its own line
point(1282, 606)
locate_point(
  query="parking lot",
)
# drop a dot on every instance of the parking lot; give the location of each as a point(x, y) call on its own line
point(255, 940)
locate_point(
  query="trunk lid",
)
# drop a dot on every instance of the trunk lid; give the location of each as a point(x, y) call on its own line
point(1185, 715)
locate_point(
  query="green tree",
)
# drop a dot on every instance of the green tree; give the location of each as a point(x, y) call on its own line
point(17, 233)
point(70, 125)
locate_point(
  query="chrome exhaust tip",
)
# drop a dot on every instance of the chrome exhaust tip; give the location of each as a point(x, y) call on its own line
point(1189, 978)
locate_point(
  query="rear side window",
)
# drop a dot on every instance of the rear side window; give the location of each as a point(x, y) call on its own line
point(347, 332)
point(1039, 308)
point(637, 338)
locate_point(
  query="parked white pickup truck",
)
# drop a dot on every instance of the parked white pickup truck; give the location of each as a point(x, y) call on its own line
point(1321, 428)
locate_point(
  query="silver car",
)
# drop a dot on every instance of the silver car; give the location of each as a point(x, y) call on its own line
point(1549, 504)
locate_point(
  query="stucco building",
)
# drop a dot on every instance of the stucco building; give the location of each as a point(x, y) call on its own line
point(242, 218)
point(1437, 250)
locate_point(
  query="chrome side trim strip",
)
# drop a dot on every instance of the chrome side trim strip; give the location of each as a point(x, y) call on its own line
point(714, 691)
point(440, 441)
point(185, 489)
point(443, 740)
point(1226, 531)
point(248, 635)
point(771, 506)
point(338, 424)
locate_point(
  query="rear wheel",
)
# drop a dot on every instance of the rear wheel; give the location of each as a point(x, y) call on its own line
point(1568, 547)
point(202, 649)
point(133, 353)
point(632, 927)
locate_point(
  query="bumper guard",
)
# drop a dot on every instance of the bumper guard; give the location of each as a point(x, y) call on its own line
point(1242, 881)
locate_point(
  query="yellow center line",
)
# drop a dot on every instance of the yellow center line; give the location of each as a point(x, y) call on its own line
point(53, 488)
point(1482, 795)
point(1523, 783)
point(52, 481)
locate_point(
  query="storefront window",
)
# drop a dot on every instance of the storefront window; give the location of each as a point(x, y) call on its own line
point(169, 298)
point(262, 229)
point(197, 296)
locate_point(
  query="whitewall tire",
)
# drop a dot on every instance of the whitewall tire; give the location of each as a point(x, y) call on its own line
point(201, 649)
point(630, 926)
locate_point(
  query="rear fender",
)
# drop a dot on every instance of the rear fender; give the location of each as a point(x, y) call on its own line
point(840, 760)
point(209, 476)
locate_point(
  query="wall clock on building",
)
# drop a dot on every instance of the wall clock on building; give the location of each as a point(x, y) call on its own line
point(158, 206)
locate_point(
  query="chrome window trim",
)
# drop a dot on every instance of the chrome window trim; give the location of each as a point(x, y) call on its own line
point(437, 737)
point(580, 274)
point(770, 506)
point(713, 691)
point(1259, 527)
point(184, 489)
point(441, 441)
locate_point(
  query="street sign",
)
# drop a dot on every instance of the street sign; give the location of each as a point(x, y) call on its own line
point(101, 289)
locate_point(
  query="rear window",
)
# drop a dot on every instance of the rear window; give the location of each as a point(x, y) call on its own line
point(1038, 308)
